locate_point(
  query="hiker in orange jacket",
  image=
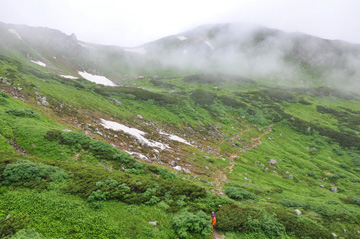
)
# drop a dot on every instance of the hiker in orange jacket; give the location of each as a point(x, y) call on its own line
point(213, 219)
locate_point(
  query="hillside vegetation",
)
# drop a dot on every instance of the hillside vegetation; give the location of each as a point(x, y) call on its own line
point(154, 156)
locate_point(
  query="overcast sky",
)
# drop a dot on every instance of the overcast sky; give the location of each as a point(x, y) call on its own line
point(134, 22)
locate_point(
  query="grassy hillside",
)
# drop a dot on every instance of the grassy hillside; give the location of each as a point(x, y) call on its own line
point(260, 150)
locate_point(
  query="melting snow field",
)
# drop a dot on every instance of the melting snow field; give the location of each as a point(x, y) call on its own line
point(137, 134)
point(97, 79)
point(175, 138)
point(39, 63)
point(140, 51)
point(13, 31)
point(182, 38)
point(69, 77)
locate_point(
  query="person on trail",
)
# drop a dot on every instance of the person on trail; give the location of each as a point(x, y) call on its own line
point(219, 207)
point(213, 219)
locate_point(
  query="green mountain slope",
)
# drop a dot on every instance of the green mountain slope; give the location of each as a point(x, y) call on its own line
point(86, 160)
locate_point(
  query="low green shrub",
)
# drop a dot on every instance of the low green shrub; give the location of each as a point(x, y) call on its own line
point(53, 135)
point(188, 223)
point(301, 226)
point(24, 170)
point(239, 194)
point(4, 95)
point(12, 224)
point(23, 113)
point(267, 224)
point(291, 203)
point(351, 200)
point(27, 234)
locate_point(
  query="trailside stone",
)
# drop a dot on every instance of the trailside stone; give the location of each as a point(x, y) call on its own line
point(154, 223)
point(272, 162)
point(297, 212)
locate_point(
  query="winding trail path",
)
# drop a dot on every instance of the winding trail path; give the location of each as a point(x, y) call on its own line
point(222, 178)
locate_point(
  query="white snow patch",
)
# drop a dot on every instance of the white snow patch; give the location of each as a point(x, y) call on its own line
point(97, 79)
point(138, 155)
point(185, 51)
point(140, 51)
point(39, 63)
point(209, 44)
point(175, 138)
point(86, 46)
point(13, 31)
point(137, 134)
point(69, 77)
point(182, 38)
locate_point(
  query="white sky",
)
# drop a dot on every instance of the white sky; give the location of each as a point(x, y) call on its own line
point(134, 22)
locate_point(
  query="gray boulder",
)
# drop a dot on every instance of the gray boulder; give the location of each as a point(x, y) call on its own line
point(272, 162)
point(297, 212)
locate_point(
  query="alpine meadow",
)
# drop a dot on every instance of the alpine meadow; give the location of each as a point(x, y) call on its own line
point(259, 126)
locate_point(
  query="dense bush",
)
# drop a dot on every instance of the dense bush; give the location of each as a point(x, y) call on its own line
point(4, 95)
point(239, 194)
point(228, 101)
point(23, 113)
point(140, 94)
point(189, 223)
point(203, 97)
point(99, 149)
point(291, 203)
point(216, 78)
point(351, 200)
point(232, 218)
point(267, 224)
point(24, 170)
point(12, 224)
point(76, 137)
point(301, 226)
point(53, 135)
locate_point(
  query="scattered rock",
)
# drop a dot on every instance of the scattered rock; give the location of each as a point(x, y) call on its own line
point(322, 186)
point(153, 223)
point(207, 157)
point(206, 167)
point(117, 102)
point(186, 170)
point(268, 198)
point(334, 190)
point(291, 176)
point(297, 212)
point(178, 168)
point(140, 117)
point(67, 130)
point(315, 149)
point(334, 235)
point(272, 162)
